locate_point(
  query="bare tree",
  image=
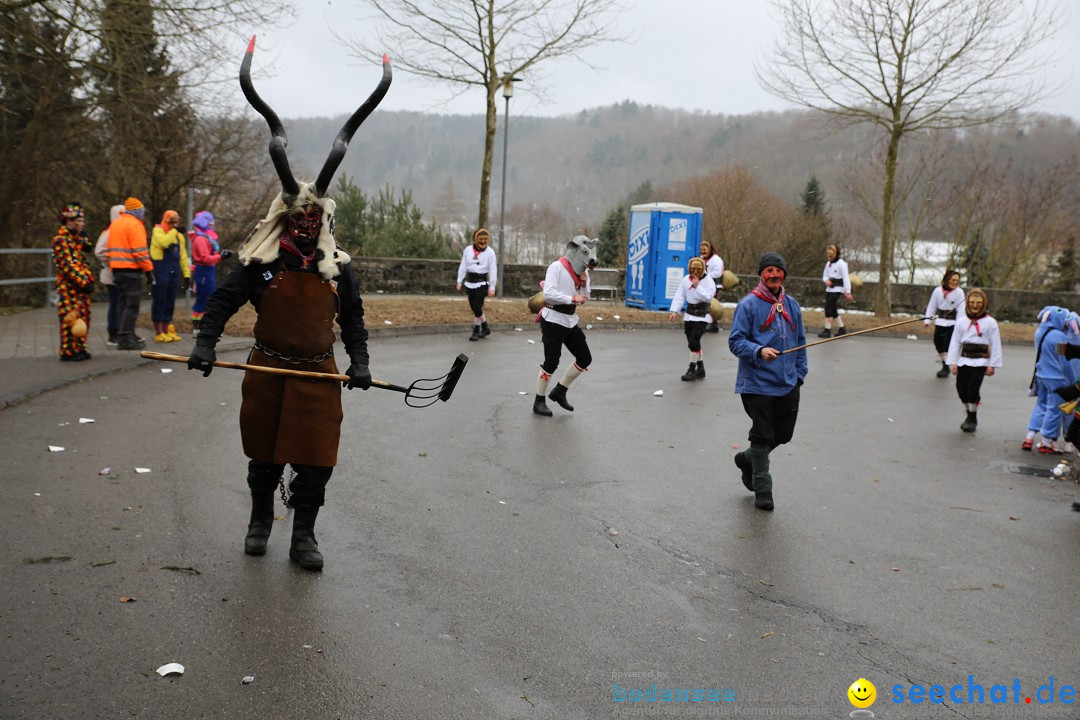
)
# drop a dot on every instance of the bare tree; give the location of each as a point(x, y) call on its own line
point(486, 44)
point(908, 65)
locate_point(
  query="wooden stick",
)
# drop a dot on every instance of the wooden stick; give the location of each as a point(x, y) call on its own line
point(853, 334)
point(270, 370)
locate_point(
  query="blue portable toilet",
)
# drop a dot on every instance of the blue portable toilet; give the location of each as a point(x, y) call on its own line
point(663, 238)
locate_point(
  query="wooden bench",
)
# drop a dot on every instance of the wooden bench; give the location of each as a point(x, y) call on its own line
point(604, 280)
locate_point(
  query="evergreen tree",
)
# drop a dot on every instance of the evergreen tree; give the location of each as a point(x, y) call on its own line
point(382, 226)
point(813, 199)
point(1068, 273)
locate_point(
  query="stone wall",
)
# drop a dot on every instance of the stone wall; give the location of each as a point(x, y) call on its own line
point(437, 277)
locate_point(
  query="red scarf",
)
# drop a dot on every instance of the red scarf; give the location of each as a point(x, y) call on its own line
point(288, 244)
point(476, 251)
point(777, 304)
point(579, 280)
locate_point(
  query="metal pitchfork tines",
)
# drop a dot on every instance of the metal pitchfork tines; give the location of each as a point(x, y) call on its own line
point(420, 393)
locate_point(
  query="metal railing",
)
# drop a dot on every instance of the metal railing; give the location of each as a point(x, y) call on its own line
point(30, 251)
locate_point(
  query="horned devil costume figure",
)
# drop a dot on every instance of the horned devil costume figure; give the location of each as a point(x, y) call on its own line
point(299, 281)
point(566, 286)
point(479, 273)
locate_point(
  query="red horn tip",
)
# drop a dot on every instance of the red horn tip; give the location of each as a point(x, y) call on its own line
point(251, 44)
point(385, 58)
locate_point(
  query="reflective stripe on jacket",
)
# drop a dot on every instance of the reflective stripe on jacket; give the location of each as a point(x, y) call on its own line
point(127, 248)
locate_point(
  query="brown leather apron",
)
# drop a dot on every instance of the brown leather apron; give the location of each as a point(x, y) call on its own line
point(293, 420)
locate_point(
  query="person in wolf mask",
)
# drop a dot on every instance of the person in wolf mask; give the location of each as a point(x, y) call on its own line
point(479, 272)
point(299, 281)
point(766, 325)
point(974, 354)
point(694, 293)
point(566, 286)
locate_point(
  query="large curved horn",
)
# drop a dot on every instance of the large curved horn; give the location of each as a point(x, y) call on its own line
point(278, 141)
point(341, 142)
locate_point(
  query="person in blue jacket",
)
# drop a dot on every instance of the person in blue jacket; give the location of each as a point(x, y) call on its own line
point(767, 323)
point(1051, 371)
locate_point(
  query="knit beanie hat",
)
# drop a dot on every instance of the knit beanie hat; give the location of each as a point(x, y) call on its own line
point(203, 220)
point(71, 211)
point(132, 203)
point(169, 217)
point(772, 259)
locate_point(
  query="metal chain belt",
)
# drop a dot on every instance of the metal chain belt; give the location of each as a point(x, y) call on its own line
point(291, 360)
point(286, 495)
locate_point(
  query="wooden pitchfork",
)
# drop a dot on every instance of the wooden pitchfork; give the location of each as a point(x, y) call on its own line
point(853, 334)
point(420, 393)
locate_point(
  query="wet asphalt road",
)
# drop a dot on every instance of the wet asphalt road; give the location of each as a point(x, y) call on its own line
point(483, 562)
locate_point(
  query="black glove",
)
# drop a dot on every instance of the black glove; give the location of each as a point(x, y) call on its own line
point(181, 229)
point(185, 283)
point(1068, 392)
point(226, 254)
point(1070, 351)
point(359, 377)
point(202, 358)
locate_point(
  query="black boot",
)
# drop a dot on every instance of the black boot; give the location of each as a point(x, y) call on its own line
point(261, 523)
point(713, 328)
point(540, 406)
point(970, 423)
point(841, 331)
point(304, 550)
point(691, 374)
point(763, 501)
point(825, 333)
point(700, 370)
point(475, 333)
point(485, 329)
point(743, 463)
point(559, 396)
point(944, 371)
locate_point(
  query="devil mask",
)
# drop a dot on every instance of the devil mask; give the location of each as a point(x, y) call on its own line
point(302, 211)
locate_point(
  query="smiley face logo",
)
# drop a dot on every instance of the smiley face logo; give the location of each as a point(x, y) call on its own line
point(862, 693)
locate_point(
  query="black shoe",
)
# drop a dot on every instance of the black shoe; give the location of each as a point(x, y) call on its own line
point(841, 331)
point(743, 463)
point(260, 524)
point(81, 355)
point(475, 333)
point(67, 358)
point(763, 501)
point(700, 370)
point(825, 333)
point(944, 371)
point(713, 328)
point(540, 406)
point(131, 345)
point(970, 423)
point(1076, 506)
point(691, 374)
point(304, 550)
point(559, 396)
point(111, 342)
point(485, 329)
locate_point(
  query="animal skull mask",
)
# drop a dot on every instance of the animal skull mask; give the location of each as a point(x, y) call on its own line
point(581, 253)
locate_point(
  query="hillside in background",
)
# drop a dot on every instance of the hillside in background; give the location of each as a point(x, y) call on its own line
point(583, 165)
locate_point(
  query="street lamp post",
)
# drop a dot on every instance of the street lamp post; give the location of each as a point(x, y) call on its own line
point(508, 92)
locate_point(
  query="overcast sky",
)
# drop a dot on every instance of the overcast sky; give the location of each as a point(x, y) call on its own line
point(692, 54)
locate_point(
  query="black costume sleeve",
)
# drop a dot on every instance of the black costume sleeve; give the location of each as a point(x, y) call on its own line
point(351, 318)
point(230, 296)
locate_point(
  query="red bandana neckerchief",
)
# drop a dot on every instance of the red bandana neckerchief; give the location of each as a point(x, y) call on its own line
point(476, 251)
point(288, 244)
point(579, 280)
point(777, 304)
point(975, 321)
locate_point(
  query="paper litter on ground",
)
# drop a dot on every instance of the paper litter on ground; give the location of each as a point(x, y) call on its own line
point(170, 669)
point(142, 470)
point(55, 448)
point(83, 421)
point(166, 371)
